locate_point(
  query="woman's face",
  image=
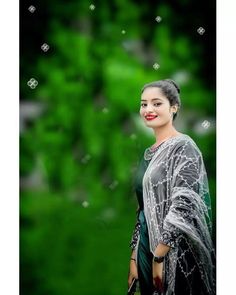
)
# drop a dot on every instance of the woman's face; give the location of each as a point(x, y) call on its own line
point(155, 108)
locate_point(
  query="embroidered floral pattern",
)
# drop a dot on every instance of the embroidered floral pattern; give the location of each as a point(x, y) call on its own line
point(135, 235)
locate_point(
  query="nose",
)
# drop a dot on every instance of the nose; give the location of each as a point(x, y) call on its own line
point(149, 108)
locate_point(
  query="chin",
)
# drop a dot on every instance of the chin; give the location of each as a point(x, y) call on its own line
point(153, 122)
point(152, 125)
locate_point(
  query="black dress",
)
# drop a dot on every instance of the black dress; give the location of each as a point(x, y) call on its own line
point(144, 256)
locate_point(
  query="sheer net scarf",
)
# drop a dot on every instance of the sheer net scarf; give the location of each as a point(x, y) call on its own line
point(177, 206)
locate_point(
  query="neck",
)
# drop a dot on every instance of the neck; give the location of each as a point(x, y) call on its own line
point(165, 132)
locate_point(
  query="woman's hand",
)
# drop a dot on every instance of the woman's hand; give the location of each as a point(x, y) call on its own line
point(133, 272)
point(157, 269)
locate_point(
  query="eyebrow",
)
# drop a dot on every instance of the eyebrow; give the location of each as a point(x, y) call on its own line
point(152, 99)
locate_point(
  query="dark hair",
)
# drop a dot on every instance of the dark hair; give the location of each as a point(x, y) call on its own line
point(169, 88)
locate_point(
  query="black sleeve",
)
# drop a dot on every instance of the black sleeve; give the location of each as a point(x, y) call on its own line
point(136, 233)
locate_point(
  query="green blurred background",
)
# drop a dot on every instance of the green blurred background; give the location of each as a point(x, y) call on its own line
point(81, 135)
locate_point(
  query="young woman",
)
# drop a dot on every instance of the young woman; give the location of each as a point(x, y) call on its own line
point(172, 251)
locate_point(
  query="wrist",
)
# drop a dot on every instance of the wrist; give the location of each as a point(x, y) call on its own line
point(161, 250)
point(158, 259)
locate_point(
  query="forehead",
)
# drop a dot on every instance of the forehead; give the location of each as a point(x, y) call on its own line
point(153, 92)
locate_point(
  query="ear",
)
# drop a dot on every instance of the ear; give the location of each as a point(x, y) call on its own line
point(174, 108)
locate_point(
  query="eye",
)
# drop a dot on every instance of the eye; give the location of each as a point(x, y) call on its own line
point(143, 104)
point(157, 104)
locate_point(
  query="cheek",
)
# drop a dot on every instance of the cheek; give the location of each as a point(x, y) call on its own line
point(164, 110)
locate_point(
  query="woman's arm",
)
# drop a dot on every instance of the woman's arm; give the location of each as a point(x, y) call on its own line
point(135, 236)
point(189, 189)
point(136, 231)
point(161, 250)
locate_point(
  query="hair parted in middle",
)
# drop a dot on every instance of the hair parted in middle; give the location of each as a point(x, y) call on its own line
point(169, 88)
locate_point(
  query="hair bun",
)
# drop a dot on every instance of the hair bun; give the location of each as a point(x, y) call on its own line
point(173, 83)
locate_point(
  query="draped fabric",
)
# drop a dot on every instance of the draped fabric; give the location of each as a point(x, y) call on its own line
point(178, 212)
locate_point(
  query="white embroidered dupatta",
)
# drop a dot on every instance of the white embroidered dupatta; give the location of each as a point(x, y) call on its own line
point(177, 206)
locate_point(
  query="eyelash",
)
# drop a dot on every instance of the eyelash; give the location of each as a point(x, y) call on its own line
point(158, 104)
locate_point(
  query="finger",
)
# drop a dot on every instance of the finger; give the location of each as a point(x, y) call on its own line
point(154, 283)
point(129, 280)
point(129, 283)
point(158, 284)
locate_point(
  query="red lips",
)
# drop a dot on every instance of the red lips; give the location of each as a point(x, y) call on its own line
point(149, 117)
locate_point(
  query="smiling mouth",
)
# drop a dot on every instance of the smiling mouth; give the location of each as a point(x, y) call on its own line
point(149, 118)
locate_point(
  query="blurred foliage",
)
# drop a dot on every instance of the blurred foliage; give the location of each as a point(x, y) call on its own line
point(80, 149)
